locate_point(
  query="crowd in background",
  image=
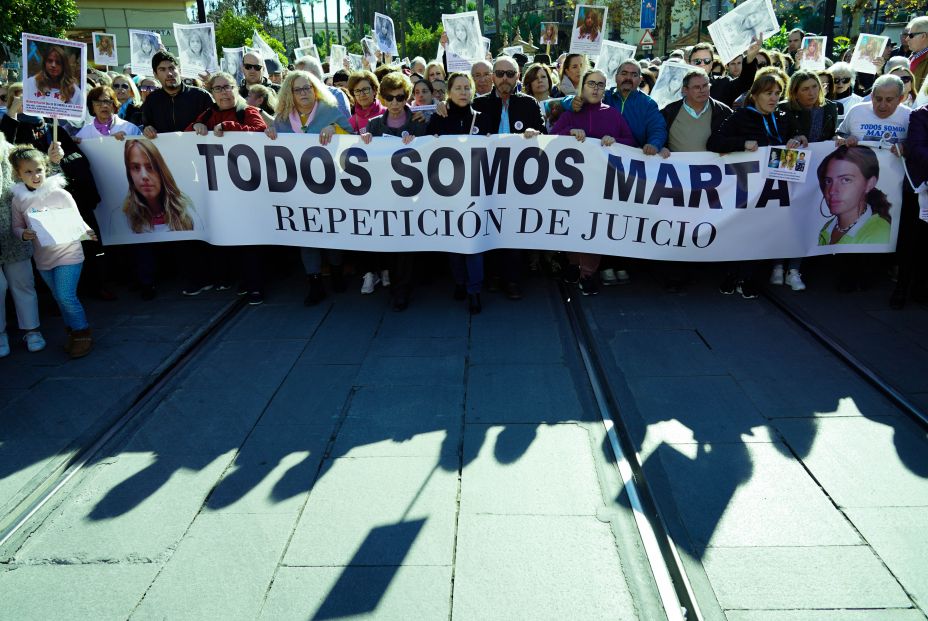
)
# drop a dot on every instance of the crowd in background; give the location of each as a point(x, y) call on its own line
point(762, 98)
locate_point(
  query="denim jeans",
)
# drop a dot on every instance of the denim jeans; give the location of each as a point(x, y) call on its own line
point(62, 281)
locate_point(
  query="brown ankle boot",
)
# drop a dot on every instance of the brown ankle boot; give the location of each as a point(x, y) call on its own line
point(81, 343)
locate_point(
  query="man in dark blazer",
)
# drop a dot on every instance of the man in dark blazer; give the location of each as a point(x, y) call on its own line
point(695, 104)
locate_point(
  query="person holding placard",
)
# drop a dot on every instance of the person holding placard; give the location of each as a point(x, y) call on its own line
point(57, 79)
point(727, 88)
point(305, 106)
point(59, 264)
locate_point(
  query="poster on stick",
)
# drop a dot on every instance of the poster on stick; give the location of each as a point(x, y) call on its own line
point(53, 77)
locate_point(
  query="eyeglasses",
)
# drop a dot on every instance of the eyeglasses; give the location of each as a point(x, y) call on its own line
point(251, 67)
point(909, 35)
point(103, 102)
point(367, 90)
point(842, 80)
point(303, 90)
point(701, 61)
point(905, 78)
point(225, 88)
point(504, 73)
point(597, 86)
point(397, 98)
point(148, 88)
point(121, 86)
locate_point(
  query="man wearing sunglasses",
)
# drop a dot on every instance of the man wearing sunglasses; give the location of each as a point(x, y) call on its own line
point(253, 68)
point(511, 112)
point(727, 88)
point(917, 40)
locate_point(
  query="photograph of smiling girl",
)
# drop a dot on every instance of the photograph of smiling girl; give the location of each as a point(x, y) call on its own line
point(196, 46)
point(53, 69)
point(104, 49)
point(587, 36)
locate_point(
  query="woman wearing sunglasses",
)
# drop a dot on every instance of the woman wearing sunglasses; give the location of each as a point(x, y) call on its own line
point(128, 98)
point(842, 75)
point(147, 86)
point(398, 120)
point(908, 81)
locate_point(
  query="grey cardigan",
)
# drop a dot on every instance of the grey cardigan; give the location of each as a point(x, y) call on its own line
point(12, 250)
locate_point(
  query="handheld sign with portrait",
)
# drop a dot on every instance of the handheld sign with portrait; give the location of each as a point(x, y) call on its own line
point(589, 23)
point(548, 33)
point(309, 50)
point(196, 46)
point(868, 53)
point(232, 62)
point(104, 49)
point(464, 38)
point(732, 33)
point(53, 77)
point(306, 42)
point(338, 54)
point(143, 44)
point(611, 56)
point(355, 60)
point(369, 50)
point(813, 53)
point(385, 34)
point(788, 164)
point(667, 88)
point(513, 49)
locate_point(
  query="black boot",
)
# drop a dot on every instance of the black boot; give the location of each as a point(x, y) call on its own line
point(473, 303)
point(316, 290)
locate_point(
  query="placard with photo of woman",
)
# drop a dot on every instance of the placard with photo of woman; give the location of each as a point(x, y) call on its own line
point(196, 47)
point(143, 44)
point(385, 34)
point(813, 53)
point(104, 49)
point(868, 52)
point(53, 71)
point(548, 33)
point(589, 23)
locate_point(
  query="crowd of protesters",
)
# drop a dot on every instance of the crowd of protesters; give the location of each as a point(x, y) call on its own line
point(763, 98)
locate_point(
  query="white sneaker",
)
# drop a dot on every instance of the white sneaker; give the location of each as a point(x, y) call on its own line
point(794, 280)
point(4, 345)
point(623, 277)
point(34, 341)
point(385, 278)
point(776, 276)
point(607, 277)
point(370, 281)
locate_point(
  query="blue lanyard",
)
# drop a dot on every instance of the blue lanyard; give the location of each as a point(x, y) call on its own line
point(772, 136)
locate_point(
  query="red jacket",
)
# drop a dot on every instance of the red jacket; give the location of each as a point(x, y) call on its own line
point(212, 116)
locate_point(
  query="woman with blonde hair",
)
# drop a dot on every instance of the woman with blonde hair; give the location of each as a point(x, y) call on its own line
point(57, 79)
point(306, 106)
point(908, 85)
point(154, 202)
point(129, 100)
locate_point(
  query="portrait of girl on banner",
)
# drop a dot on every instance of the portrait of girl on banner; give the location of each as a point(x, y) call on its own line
point(858, 212)
point(154, 202)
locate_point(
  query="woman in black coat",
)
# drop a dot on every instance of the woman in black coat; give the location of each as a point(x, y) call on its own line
point(760, 123)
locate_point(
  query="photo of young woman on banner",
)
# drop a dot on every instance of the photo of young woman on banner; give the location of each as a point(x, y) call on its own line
point(104, 49)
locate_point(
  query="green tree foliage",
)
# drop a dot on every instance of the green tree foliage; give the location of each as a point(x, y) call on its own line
point(43, 17)
point(421, 40)
point(236, 30)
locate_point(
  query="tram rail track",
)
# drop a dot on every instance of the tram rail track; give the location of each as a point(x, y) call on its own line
point(21, 520)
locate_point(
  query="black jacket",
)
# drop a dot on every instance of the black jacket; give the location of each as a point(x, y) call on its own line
point(243, 88)
point(803, 120)
point(459, 121)
point(523, 109)
point(745, 124)
point(727, 89)
point(720, 112)
point(174, 114)
point(377, 126)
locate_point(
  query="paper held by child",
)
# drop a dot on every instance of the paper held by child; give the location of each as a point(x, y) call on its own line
point(57, 226)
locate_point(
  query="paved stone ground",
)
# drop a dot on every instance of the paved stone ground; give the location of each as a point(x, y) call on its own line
point(793, 488)
point(346, 461)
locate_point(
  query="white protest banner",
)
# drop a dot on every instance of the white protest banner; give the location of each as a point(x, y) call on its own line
point(196, 47)
point(385, 34)
point(53, 77)
point(470, 194)
point(732, 33)
point(611, 56)
point(669, 84)
point(868, 52)
point(789, 164)
point(587, 34)
point(57, 226)
point(143, 44)
point(812, 53)
point(465, 40)
point(104, 49)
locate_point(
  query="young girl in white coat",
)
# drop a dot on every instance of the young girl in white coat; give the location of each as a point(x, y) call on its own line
point(58, 264)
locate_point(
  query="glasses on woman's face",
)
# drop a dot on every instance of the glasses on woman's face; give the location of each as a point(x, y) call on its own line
point(397, 98)
point(103, 102)
point(842, 80)
point(119, 86)
point(148, 88)
point(222, 88)
point(596, 86)
point(906, 79)
point(303, 90)
point(361, 92)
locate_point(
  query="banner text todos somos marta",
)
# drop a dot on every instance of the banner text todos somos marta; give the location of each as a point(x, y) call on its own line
point(470, 194)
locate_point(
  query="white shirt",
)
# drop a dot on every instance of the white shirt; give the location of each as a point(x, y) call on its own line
point(864, 124)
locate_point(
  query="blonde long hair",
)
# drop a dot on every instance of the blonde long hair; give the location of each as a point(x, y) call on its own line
point(285, 103)
point(175, 203)
point(67, 85)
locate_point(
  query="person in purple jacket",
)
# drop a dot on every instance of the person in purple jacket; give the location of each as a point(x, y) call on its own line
point(594, 120)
